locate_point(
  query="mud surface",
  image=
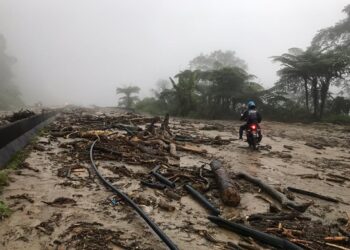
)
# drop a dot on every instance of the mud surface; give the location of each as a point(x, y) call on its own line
point(58, 202)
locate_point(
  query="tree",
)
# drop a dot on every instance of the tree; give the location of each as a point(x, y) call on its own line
point(325, 63)
point(185, 91)
point(227, 86)
point(9, 93)
point(211, 88)
point(217, 60)
point(340, 105)
point(333, 65)
point(316, 70)
point(334, 36)
point(295, 72)
point(128, 100)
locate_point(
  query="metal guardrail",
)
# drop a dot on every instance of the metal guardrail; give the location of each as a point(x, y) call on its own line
point(17, 135)
point(10, 132)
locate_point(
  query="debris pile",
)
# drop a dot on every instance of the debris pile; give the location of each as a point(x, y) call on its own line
point(21, 114)
point(157, 146)
point(84, 235)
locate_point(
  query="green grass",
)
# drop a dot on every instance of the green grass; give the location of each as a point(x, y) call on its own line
point(338, 119)
point(13, 164)
point(17, 159)
point(3, 178)
point(5, 211)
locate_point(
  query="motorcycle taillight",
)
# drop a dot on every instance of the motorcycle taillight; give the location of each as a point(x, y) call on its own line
point(253, 127)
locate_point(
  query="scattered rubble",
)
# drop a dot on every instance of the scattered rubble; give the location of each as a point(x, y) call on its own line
point(180, 171)
point(19, 115)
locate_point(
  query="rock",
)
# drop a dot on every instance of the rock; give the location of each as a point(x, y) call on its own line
point(165, 206)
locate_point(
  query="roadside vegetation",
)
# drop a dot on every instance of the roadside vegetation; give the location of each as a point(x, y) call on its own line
point(313, 85)
point(5, 211)
point(9, 93)
point(13, 164)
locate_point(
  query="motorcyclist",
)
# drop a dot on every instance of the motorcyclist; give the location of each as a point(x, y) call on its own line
point(251, 115)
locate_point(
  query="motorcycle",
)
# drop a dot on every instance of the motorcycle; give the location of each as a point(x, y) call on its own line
point(254, 135)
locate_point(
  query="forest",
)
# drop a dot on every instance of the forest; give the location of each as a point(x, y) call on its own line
point(313, 84)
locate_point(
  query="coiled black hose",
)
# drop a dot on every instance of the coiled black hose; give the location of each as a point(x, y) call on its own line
point(126, 198)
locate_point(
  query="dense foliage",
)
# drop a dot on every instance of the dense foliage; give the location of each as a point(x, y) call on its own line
point(213, 87)
point(325, 63)
point(217, 84)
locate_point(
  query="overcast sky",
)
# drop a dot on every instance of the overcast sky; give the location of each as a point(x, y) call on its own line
point(79, 51)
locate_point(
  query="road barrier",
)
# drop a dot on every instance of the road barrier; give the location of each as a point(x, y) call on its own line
point(16, 135)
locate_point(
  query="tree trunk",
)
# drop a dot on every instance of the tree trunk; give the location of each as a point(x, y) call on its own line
point(306, 94)
point(315, 95)
point(229, 193)
point(324, 91)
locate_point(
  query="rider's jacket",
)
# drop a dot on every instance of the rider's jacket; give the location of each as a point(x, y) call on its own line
point(251, 116)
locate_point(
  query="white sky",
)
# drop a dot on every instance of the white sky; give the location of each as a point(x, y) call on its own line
point(79, 51)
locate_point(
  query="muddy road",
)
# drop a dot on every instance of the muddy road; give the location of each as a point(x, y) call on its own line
point(59, 203)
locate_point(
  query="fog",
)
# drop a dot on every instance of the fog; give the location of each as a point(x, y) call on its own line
point(79, 51)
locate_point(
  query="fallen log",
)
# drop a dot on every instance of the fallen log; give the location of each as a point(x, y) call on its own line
point(229, 193)
point(320, 196)
point(172, 150)
point(268, 239)
point(281, 198)
point(191, 148)
point(202, 199)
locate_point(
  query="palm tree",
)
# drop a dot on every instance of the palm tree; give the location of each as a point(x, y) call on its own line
point(296, 71)
point(128, 100)
point(185, 91)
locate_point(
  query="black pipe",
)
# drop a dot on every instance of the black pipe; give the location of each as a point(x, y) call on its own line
point(126, 198)
point(153, 185)
point(320, 196)
point(163, 179)
point(201, 198)
point(255, 234)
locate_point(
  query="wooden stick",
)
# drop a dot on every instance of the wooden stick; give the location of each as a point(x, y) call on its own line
point(336, 246)
point(339, 176)
point(336, 239)
point(191, 148)
point(285, 202)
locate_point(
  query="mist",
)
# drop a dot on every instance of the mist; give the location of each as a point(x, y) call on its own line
point(80, 51)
